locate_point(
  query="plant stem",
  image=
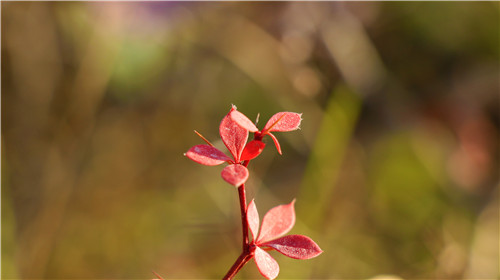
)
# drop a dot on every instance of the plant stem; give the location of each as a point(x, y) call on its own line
point(246, 254)
point(243, 212)
point(238, 264)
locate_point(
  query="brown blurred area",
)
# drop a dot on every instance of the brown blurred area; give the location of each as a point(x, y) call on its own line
point(395, 168)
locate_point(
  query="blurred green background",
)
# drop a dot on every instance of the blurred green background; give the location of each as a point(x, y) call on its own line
point(395, 169)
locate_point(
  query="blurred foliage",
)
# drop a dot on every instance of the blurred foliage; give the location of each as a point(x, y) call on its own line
point(395, 169)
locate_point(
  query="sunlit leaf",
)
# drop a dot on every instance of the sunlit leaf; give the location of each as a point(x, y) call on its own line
point(278, 221)
point(253, 219)
point(276, 142)
point(207, 155)
point(267, 266)
point(233, 135)
point(235, 174)
point(295, 246)
point(243, 121)
point(283, 121)
point(252, 150)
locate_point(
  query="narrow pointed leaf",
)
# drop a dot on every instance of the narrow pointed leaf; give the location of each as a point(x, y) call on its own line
point(233, 135)
point(276, 142)
point(253, 219)
point(252, 150)
point(283, 121)
point(267, 266)
point(277, 222)
point(243, 121)
point(207, 155)
point(295, 246)
point(235, 174)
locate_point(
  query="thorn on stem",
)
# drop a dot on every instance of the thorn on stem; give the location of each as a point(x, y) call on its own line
point(203, 138)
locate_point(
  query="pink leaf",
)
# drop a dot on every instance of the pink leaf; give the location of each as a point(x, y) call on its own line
point(235, 174)
point(253, 219)
point(243, 121)
point(233, 136)
point(207, 155)
point(267, 266)
point(283, 121)
point(295, 246)
point(278, 221)
point(276, 143)
point(252, 150)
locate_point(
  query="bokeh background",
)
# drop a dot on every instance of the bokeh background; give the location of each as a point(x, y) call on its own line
point(395, 169)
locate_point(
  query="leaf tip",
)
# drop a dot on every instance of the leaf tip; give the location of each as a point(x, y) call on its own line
point(243, 121)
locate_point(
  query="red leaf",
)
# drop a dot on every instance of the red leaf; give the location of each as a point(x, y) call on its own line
point(295, 246)
point(207, 155)
point(276, 143)
point(283, 121)
point(252, 150)
point(253, 219)
point(243, 121)
point(267, 266)
point(235, 174)
point(233, 136)
point(278, 221)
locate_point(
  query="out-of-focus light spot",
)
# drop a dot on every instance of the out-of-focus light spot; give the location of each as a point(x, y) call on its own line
point(306, 81)
point(295, 47)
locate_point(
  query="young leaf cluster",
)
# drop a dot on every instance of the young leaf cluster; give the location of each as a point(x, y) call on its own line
point(234, 130)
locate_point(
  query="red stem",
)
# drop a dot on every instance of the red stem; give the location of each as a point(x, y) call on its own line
point(243, 212)
point(246, 254)
point(238, 264)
